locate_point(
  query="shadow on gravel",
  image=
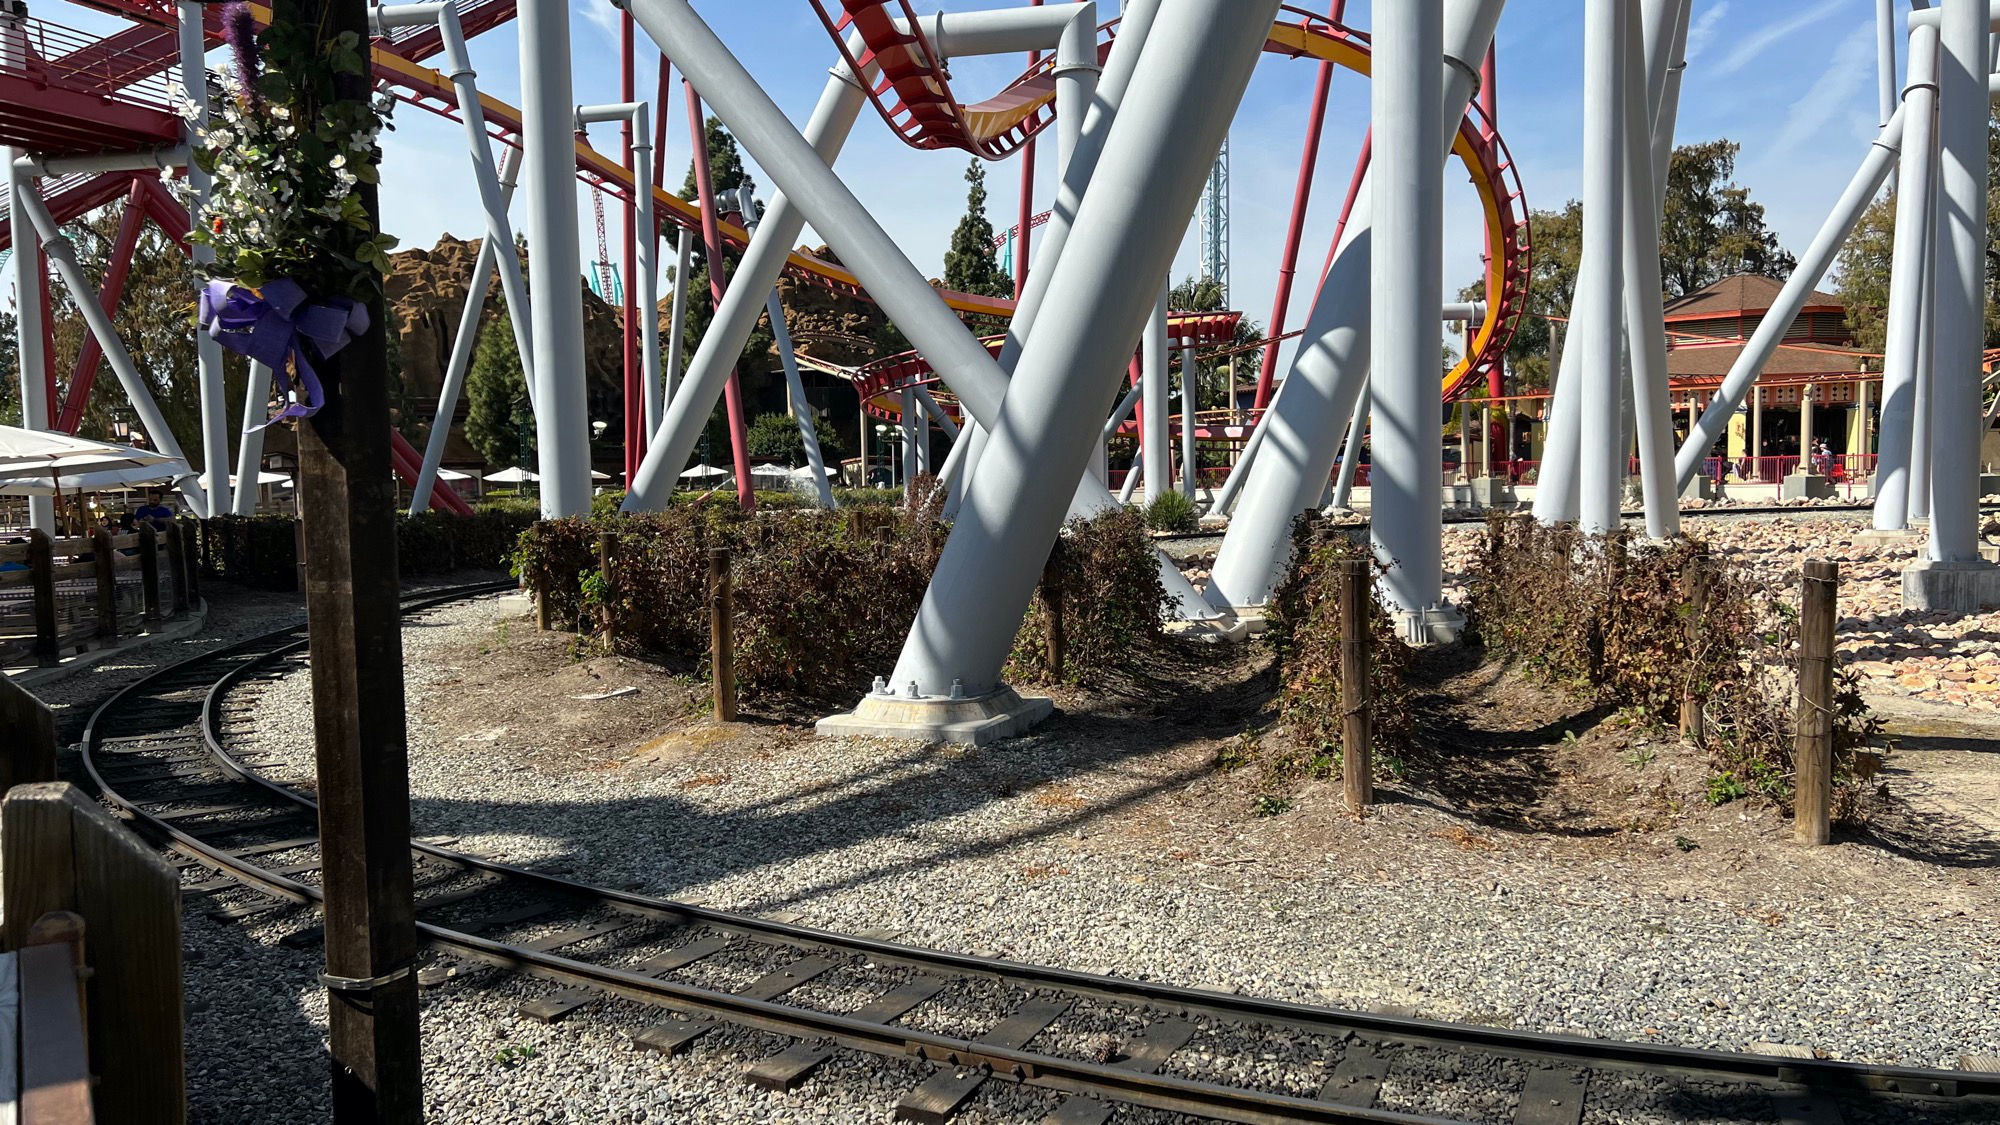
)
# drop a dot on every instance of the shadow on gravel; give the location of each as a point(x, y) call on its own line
point(1931, 837)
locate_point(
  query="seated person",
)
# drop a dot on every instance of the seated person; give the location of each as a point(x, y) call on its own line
point(153, 511)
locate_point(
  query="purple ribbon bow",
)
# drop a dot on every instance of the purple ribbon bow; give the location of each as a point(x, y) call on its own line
point(274, 327)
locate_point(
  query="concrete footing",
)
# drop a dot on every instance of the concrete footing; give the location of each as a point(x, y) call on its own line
point(1438, 625)
point(1806, 486)
point(1002, 713)
point(1492, 492)
point(1951, 587)
point(1700, 488)
point(1899, 538)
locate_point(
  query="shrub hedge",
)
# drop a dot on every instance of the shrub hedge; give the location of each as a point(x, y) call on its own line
point(1114, 605)
point(261, 551)
point(823, 599)
point(1614, 620)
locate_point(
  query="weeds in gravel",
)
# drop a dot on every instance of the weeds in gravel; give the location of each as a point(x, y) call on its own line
point(1270, 805)
point(512, 1056)
point(1615, 621)
point(1172, 511)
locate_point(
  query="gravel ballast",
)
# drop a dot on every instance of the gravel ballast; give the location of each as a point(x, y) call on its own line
point(1061, 849)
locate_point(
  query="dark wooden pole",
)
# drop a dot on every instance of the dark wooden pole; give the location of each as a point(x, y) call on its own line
point(177, 558)
point(42, 576)
point(607, 566)
point(1052, 603)
point(106, 556)
point(347, 507)
point(1357, 724)
point(1812, 756)
point(1693, 698)
point(722, 634)
point(149, 572)
point(190, 533)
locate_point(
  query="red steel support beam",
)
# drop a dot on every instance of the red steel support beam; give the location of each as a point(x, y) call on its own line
point(90, 355)
point(1288, 265)
point(711, 239)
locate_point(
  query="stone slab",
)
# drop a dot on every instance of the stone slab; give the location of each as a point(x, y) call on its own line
point(1806, 486)
point(979, 721)
point(1492, 492)
point(1951, 587)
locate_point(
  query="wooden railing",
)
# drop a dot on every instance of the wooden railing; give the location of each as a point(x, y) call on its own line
point(63, 596)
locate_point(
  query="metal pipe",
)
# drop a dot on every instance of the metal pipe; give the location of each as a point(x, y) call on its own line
point(1190, 387)
point(1135, 474)
point(1357, 429)
point(1885, 57)
point(1812, 266)
point(250, 445)
point(714, 256)
point(1408, 203)
point(62, 256)
point(637, 117)
point(26, 267)
point(1915, 182)
point(1920, 426)
point(1960, 299)
point(1295, 230)
point(1181, 98)
point(144, 160)
point(208, 351)
point(1667, 114)
point(467, 336)
point(1594, 315)
point(1645, 322)
point(1076, 73)
point(548, 136)
point(1294, 460)
point(1933, 17)
point(781, 335)
point(1156, 443)
point(677, 326)
point(736, 315)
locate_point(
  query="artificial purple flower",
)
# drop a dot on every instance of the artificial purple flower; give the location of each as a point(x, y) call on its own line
point(239, 27)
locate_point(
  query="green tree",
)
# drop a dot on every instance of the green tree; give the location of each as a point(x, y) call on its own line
point(970, 266)
point(497, 413)
point(1536, 348)
point(725, 161)
point(10, 373)
point(777, 435)
point(1712, 229)
point(1866, 264)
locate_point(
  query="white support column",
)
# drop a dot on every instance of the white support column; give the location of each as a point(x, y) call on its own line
point(1645, 323)
point(677, 327)
point(1594, 317)
point(1156, 440)
point(1406, 287)
point(214, 466)
point(24, 268)
point(1920, 426)
point(250, 446)
point(548, 119)
point(1915, 184)
point(1350, 461)
point(1956, 414)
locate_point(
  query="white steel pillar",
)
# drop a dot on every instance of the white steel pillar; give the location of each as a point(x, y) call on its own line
point(677, 327)
point(24, 267)
point(214, 466)
point(1155, 440)
point(1915, 184)
point(1956, 414)
point(1406, 289)
point(250, 445)
point(1190, 387)
point(548, 119)
point(1594, 317)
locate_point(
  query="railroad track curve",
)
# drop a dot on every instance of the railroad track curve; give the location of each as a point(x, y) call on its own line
point(158, 749)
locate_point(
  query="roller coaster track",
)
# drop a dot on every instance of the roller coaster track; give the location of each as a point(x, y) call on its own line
point(159, 750)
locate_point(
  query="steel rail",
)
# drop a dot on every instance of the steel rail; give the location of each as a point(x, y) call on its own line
point(1031, 1067)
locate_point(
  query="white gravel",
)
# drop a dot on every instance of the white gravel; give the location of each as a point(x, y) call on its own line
point(1021, 851)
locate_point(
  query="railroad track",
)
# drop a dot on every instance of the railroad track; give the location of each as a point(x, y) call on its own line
point(159, 749)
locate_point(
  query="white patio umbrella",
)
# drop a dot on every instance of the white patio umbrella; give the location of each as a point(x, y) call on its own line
point(595, 475)
point(32, 453)
point(104, 480)
point(264, 477)
point(453, 474)
point(701, 471)
point(40, 447)
point(511, 476)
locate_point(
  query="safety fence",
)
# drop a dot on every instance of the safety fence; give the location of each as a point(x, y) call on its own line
point(67, 595)
point(263, 551)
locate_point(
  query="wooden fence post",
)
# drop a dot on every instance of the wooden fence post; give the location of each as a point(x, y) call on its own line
point(1812, 756)
point(41, 575)
point(607, 567)
point(190, 533)
point(149, 570)
point(177, 558)
point(1357, 725)
point(53, 1036)
point(722, 634)
point(298, 555)
point(28, 754)
point(1693, 726)
point(106, 555)
point(61, 851)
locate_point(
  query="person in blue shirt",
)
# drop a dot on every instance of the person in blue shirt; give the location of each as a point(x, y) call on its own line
point(154, 511)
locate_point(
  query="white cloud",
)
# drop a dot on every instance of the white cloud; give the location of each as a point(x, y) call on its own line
point(1831, 96)
point(1757, 42)
point(1702, 31)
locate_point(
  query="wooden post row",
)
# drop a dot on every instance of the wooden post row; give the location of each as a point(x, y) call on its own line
point(1052, 602)
point(41, 574)
point(1357, 726)
point(1812, 755)
point(106, 553)
point(607, 564)
point(722, 634)
point(1693, 700)
point(149, 570)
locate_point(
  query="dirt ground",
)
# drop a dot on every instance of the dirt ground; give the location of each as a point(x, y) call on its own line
point(1508, 776)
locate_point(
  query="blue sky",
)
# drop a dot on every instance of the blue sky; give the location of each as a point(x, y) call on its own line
point(1793, 80)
